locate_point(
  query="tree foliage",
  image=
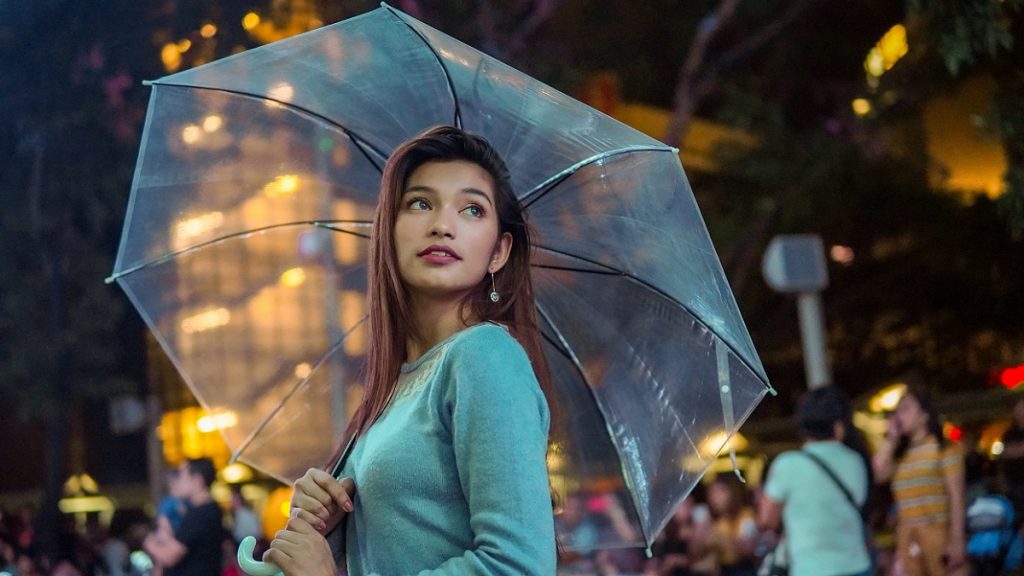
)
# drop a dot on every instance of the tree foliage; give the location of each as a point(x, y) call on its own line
point(986, 35)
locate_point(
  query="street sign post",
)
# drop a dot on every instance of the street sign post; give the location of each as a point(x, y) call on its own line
point(795, 264)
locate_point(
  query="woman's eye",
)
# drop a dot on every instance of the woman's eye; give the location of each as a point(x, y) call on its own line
point(474, 210)
point(418, 204)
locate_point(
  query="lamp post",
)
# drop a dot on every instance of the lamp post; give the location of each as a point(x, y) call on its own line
point(795, 264)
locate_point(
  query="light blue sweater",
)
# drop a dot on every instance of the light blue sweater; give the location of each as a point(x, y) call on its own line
point(452, 478)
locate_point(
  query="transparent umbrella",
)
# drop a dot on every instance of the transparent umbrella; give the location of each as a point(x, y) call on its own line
point(245, 244)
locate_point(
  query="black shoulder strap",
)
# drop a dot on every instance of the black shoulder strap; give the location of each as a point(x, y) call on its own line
point(835, 479)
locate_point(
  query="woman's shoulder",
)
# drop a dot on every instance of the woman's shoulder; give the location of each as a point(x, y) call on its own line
point(486, 340)
point(488, 352)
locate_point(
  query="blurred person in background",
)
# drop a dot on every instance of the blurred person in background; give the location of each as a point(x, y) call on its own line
point(244, 521)
point(172, 506)
point(682, 547)
point(1013, 459)
point(194, 549)
point(24, 527)
point(817, 493)
point(734, 528)
point(110, 546)
point(927, 476)
point(25, 565)
point(7, 555)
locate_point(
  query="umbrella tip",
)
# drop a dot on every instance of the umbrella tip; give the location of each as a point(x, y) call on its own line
point(147, 82)
point(110, 279)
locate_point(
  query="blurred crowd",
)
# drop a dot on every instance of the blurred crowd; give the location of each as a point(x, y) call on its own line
point(918, 504)
point(192, 535)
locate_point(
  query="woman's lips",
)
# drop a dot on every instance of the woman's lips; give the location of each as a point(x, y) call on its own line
point(439, 255)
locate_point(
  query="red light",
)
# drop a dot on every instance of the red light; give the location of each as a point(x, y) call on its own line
point(1012, 377)
point(955, 434)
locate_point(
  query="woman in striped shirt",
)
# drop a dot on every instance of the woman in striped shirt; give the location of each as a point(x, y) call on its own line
point(927, 475)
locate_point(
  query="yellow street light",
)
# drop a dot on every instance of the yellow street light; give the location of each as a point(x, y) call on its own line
point(206, 320)
point(887, 398)
point(188, 230)
point(282, 92)
point(208, 31)
point(191, 134)
point(250, 21)
point(293, 277)
point(887, 52)
point(302, 371)
point(235, 473)
point(212, 123)
point(861, 106)
point(218, 421)
point(282, 185)
point(171, 57)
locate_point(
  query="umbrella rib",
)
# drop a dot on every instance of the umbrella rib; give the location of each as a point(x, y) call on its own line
point(280, 405)
point(546, 186)
point(571, 356)
point(612, 271)
point(172, 255)
point(457, 122)
point(361, 144)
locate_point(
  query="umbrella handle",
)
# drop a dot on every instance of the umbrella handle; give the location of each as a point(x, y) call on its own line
point(251, 566)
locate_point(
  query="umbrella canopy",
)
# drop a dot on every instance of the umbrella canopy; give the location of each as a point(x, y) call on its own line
point(245, 247)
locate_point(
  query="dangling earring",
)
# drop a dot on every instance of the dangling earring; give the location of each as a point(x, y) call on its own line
point(494, 290)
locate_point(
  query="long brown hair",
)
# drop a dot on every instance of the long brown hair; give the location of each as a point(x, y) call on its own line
point(923, 397)
point(390, 315)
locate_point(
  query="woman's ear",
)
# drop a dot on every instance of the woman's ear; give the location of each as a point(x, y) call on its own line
point(501, 252)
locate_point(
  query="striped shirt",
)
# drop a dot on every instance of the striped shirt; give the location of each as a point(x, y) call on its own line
point(919, 484)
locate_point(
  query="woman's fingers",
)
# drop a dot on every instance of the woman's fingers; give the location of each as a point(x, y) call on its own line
point(299, 550)
point(312, 519)
point(310, 486)
point(320, 500)
point(336, 489)
point(317, 487)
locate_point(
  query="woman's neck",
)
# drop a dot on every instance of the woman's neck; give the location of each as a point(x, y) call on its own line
point(435, 320)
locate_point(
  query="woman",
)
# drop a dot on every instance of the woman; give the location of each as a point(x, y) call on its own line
point(734, 527)
point(927, 477)
point(447, 453)
point(824, 528)
point(681, 548)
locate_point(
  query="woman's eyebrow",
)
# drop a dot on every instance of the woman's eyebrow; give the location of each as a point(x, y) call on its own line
point(477, 192)
point(419, 188)
point(428, 190)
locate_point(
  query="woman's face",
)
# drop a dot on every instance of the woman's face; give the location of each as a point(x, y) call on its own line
point(910, 417)
point(719, 497)
point(446, 230)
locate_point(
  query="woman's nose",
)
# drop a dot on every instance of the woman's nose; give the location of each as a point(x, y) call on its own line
point(442, 225)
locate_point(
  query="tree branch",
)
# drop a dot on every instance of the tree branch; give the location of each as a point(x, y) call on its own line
point(743, 258)
point(696, 81)
point(541, 12)
point(761, 37)
point(684, 100)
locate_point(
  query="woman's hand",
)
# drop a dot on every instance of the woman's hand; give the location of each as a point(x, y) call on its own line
point(955, 556)
point(320, 500)
point(299, 550)
point(893, 433)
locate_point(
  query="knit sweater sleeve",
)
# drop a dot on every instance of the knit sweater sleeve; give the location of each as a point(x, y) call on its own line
point(499, 425)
